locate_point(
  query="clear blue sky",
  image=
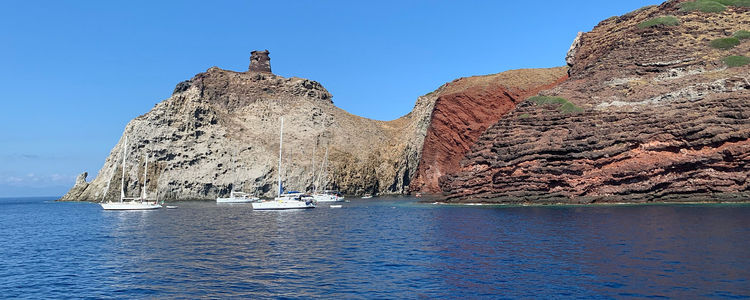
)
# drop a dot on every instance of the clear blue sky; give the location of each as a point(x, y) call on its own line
point(75, 72)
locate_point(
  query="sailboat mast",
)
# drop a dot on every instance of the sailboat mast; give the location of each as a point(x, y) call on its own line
point(145, 173)
point(281, 141)
point(122, 179)
point(234, 169)
point(313, 166)
point(323, 167)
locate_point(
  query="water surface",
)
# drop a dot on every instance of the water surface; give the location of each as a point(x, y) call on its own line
point(376, 248)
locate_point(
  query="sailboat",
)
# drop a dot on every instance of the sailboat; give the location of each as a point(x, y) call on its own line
point(130, 203)
point(326, 195)
point(291, 200)
point(237, 196)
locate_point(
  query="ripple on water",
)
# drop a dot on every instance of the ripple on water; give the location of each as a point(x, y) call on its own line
point(392, 248)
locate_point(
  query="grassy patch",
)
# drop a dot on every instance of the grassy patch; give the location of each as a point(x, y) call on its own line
point(725, 43)
point(665, 20)
point(712, 6)
point(563, 104)
point(736, 61)
point(743, 3)
point(709, 6)
point(742, 34)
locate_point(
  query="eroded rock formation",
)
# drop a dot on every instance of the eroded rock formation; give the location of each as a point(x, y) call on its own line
point(464, 109)
point(663, 119)
point(220, 129)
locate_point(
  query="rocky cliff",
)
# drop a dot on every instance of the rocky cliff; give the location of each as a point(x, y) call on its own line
point(657, 107)
point(221, 129)
point(464, 109)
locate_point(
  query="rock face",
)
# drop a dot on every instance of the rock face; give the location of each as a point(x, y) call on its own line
point(260, 61)
point(464, 109)
point(570, 56)
point(78, 189)
point(221, 129)
point(662, 118)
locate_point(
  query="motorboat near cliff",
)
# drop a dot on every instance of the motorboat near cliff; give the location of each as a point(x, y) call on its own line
point(125, 203)
point(289, 200)
point(328, 196)
point(237, 197)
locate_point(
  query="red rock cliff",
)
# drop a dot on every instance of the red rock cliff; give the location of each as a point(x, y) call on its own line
point(464, 109)
point(650, 113)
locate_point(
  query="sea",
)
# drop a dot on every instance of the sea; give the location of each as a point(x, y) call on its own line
point(379, 248)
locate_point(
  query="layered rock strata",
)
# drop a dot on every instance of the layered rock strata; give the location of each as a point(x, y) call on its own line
point(464, 109)
point(648, 114)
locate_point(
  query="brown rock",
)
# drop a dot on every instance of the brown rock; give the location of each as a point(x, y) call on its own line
point(220, 129)
point(663, 120)
point(464, 109)
point(79, 187)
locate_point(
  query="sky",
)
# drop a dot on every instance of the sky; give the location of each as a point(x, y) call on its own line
point(75, 72)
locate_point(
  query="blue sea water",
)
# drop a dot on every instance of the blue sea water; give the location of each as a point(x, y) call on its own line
point(379, 248)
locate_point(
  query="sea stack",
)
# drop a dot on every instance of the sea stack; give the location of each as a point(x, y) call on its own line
point(260, 62)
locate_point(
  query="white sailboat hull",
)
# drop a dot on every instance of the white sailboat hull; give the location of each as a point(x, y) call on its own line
point(327, 198)
point(236, 200)
point(282, 204)
point(129, 205)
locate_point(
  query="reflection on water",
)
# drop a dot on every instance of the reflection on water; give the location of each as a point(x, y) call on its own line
point(392, 248)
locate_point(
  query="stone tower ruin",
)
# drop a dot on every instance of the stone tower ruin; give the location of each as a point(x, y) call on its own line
point(260, 62)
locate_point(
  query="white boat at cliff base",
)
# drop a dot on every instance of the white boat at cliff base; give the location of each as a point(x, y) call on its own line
point(290, 200)
point(130, 203)
point(237, 196)
point(327, 195)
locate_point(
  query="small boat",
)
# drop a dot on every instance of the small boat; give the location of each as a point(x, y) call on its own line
point(289, 200)
point(336, 206)
point(367, 196)
point(135, 204)
point(130, 203)
point(328, 196)
point(237, 197)
point(171, 207)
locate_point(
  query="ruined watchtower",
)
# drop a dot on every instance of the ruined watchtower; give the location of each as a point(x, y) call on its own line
point(260, 62)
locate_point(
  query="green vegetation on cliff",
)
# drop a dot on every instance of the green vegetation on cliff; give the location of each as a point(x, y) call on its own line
point(742, 34)
point(743, 3)
point(665, 20)
point(725, 43)
point(712, 6)
point(736, 61)
point(708, 6)
point(565, 106)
